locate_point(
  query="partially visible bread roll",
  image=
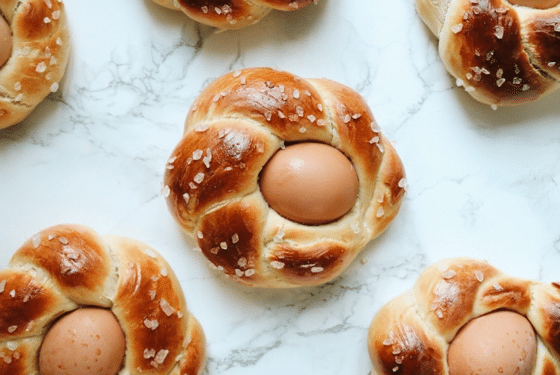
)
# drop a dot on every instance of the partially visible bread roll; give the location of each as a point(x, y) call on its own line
point(66, 267)
point(231, 14)
point(38, 59)
point(412, 333)
point(501, 52)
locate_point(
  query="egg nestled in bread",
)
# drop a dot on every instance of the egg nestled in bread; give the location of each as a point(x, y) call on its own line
point(75, 303)
point(465, 317)
point(86, 341)
point(282, 180)
point(310, 183)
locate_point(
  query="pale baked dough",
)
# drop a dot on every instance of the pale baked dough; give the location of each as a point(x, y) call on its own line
point(212, 177)
point(68, 266)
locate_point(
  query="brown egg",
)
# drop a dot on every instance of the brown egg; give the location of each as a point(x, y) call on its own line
point(499, 343)
point(310, 183)
point(5, 41)
point(538, 4)
point(87, 341)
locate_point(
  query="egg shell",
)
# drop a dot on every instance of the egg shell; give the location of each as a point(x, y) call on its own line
point(310, 183)
point(538, 4)
point(6, 42)
point(499, 343)
point(87, 341)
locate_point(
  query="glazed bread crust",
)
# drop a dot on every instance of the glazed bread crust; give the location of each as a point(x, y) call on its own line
point(212, 177)
point(502, 54)
point(231, 14)
point(39, 56)
point(411, 334)
point(66, 267)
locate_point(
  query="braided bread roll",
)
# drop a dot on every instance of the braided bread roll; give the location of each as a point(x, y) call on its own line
point(231, 14)
point(412, 333)
point(503, 52)
point(234, 127)
point(66, 267)
point(40, 49)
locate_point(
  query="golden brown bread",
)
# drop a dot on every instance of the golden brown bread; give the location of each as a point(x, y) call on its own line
point(39, 56)
point(231, 14)
point(411, 334)
point(212, 177)
point(68, 266)
point(502, 53)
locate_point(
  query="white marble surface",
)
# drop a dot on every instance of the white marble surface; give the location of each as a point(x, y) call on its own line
point(482, 183)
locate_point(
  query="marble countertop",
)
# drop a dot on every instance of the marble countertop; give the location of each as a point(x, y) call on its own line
point(482, 182)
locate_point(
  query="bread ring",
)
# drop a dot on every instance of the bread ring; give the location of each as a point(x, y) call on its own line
point(39, 56)
point(232, 130)
point(412, 333)
point(502, 53)
point(66, 267)
point(231, 14)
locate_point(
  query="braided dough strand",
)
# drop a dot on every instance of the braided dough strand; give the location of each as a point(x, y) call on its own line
point(39, 57)
point(411, 333)
point(502, 54)
point(212, 178)
point(68, 266)
point(231, 14)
